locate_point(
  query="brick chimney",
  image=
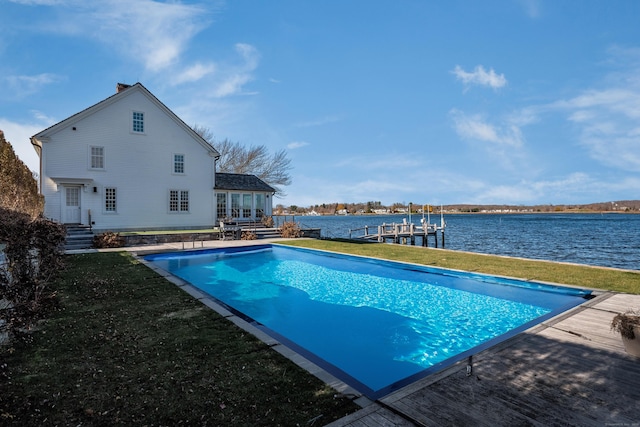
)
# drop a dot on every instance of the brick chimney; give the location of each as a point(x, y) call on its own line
point(121, 86)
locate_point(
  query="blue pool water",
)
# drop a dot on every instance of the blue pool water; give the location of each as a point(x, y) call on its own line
point(377, 325)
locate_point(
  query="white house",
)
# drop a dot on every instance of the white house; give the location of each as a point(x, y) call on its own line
point(128, 162)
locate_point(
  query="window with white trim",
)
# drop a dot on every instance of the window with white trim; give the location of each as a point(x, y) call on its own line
point(235, 205)
point(179, 201)
point(96, 157)
point(110, 200)
point(178, 164)
point(260, 205)
point(221, 205)
point(246, 206)
point(138, 122)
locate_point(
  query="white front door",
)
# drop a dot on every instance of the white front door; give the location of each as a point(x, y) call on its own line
point(71, 206)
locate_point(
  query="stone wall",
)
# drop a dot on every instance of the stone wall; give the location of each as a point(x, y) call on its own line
point(153, 239)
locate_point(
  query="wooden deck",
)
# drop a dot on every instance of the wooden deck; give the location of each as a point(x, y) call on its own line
point(570, 371)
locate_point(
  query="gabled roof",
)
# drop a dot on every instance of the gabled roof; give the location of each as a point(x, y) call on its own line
point(124, 90)
point(241, 182)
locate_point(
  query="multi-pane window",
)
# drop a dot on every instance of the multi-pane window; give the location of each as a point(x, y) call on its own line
point(97, 158)
point(178, 200)
point(221, 205)
point(178, 163)
point(246, 206)
point(138, 122)
point(184, 201)
point(235, 205)
point(260, 205)
point(110, 199)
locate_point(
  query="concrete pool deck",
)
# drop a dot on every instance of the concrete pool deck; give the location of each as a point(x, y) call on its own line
point(570, 370)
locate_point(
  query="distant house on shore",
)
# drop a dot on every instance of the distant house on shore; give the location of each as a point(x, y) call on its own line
point(128, 162)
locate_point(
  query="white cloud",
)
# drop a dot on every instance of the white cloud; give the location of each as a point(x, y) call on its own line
point(38, 2)
point(607, 122)
point(560, 190)
point(150, 32)
point(476, 128)
point(194, 73)
point(297, 144)
point(391, 162)
point(26, 85)
point(19, 135)
point(479, 76)
point(234, 77)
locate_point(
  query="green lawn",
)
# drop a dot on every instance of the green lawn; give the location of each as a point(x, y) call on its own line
point(569, 274)
point(127, 347)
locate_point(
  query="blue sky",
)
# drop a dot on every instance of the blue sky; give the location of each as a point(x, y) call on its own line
point(491, 102)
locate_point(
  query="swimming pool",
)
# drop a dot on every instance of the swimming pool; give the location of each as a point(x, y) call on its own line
point(377, 325)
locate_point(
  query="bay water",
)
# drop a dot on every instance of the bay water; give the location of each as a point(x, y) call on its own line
point(607, 239)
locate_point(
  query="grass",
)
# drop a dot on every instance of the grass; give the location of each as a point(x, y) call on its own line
point(126, 347)
point(569, 274)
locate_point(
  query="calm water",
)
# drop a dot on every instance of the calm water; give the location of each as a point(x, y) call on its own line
point(609, 240)
point(377, 324)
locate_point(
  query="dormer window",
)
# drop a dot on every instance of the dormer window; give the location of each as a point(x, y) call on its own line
point(138, 122)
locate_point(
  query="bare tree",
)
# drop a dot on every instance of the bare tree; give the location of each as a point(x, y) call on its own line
point(255, 160)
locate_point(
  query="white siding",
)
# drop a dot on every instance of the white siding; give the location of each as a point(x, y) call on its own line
point(139, 166)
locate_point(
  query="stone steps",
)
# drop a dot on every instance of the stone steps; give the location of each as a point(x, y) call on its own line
point(78, 237)
point(265, 233)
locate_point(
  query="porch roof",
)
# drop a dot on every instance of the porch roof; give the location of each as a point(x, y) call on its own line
point(241, 182)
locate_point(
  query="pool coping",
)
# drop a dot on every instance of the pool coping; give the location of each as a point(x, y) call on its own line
point(598, 406)
point(340, 386)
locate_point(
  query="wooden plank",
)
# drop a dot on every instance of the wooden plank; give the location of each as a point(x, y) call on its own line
point(620, 303)
point(572, 372)
point(386, 418)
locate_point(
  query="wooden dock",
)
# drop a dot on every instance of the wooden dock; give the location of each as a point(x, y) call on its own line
point(401, 233)
point(569, 371)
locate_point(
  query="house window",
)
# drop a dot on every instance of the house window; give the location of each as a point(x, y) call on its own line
point(178, 163)
point(96, 157)
point(178, 200)
point(235, 206)
point(246, 206)
point(110, 199)
point(138, 122)
point(221, 205)
point(260, 206)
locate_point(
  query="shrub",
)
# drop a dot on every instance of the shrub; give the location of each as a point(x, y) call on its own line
point(33, 255)
point(18, 188)
point(290, 230)
point(267, 221)
point(248, 235)
point(108, 239)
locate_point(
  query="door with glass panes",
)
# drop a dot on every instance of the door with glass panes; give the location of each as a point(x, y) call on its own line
point(71, 206)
